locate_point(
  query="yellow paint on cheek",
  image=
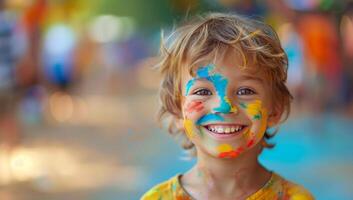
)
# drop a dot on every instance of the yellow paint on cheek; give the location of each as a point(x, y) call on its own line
point(256, 112)
point(254, 109)
point(264, 120)
point(248, 134)
point(232, 108)
point(224, 148)
point(188, 125)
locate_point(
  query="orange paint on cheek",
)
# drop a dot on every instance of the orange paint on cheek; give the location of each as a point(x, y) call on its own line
point(226, 151)
point(231, 154)
point(251, 142)
point(194, 106)
point(251, 137)
point(182, 197)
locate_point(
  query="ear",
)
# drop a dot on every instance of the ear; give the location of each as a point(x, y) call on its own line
point(275, 115)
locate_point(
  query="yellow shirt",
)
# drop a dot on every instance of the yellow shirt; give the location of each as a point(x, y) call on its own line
point(277, 188)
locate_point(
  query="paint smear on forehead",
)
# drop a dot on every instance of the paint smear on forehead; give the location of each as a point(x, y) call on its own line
point(201, 73)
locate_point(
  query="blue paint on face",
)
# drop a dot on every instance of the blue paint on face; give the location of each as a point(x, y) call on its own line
point(205, 72)
point(209, 118)
point(220, 83)
point(189, 85)
point(202, 73)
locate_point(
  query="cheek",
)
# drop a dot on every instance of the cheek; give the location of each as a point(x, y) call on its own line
point(189, 128)
point(193, 108)
point(254, 110)
point(258, 116)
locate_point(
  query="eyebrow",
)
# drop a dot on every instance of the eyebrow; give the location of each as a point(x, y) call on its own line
point(191, 82)
point(242, 78)
point(201, 78)
point(248, 77)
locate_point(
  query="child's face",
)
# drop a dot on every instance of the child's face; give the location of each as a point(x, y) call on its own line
point(225, 109)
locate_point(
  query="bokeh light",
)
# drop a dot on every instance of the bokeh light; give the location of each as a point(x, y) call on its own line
point(79, 96)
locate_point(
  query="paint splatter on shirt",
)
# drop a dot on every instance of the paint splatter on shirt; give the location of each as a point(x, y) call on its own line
point(277, 188)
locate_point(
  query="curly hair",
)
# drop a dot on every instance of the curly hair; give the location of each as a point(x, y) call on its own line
point(206, 36)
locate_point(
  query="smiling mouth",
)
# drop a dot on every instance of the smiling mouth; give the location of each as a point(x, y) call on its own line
point(225, 129)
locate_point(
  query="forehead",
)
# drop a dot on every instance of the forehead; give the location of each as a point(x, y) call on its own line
point(231, 64)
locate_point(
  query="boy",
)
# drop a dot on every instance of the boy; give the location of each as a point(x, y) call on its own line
point(223, 86)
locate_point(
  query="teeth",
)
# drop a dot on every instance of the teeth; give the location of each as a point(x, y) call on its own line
point(225, 129)
point(220, 130)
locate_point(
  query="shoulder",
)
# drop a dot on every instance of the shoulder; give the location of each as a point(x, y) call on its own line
point(164, 190)
point(293, 191)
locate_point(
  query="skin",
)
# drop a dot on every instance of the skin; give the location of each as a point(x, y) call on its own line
point(223, 94)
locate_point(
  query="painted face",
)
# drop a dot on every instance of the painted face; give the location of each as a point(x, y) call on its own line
point(225, 109)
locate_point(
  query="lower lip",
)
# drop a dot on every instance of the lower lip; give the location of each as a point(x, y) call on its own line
point(226, 136)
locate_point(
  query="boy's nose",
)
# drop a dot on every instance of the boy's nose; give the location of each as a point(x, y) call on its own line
point(225, 106)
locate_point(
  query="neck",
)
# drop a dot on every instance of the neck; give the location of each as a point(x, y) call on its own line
point(240, 176)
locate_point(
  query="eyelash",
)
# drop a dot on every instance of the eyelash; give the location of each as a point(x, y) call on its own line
point(242, 91)
point(245, 91)
point(203, 92)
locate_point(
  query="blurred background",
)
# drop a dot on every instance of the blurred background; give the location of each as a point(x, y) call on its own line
point(78, 96)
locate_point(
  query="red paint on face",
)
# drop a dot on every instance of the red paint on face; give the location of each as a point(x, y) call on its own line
point(194, 106)
point(251, 142)
point(231, 154)
point(182, 197)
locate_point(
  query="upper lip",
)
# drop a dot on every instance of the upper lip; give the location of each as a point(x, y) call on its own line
point(224, 124)
point(224, 127)
point(229, 126)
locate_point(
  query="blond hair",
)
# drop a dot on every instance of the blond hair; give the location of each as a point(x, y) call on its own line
point(208, 35)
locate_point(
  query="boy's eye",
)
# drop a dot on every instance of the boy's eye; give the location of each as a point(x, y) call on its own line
point(203, 92)
point(245, 91)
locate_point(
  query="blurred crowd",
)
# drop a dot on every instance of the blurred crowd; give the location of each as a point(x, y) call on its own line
point(58, 58)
